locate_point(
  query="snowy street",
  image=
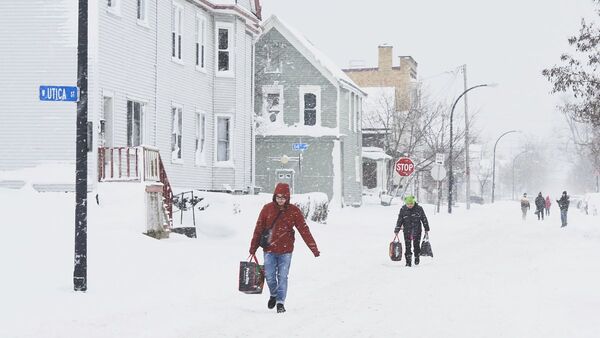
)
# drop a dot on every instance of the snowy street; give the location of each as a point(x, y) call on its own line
point(492, 275)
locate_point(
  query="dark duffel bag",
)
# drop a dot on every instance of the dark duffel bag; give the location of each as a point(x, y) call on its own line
point(426, 247)
point(252, 276)
point(396, 249)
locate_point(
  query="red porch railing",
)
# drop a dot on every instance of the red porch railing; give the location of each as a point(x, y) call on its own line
point(141, 164)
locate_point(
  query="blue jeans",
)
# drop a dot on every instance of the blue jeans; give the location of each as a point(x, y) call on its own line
point(277, 267)
point(563, 217)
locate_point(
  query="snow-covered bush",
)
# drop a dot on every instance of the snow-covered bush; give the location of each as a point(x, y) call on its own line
point(314, 205)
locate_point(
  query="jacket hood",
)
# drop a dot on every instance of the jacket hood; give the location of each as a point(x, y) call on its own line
point(283, 189)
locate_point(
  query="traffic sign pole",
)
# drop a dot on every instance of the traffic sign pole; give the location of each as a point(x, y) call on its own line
point(80, 261)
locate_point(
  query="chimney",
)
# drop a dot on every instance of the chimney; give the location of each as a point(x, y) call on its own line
point(385, 57)
point(408, 64)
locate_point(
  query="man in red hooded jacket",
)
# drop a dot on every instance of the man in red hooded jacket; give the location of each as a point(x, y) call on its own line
point(281, 217)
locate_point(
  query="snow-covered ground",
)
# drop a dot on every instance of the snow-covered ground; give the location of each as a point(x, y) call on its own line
point(493, 275)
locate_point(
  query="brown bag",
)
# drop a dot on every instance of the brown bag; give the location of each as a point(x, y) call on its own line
point(252, 276)
point(396, 249)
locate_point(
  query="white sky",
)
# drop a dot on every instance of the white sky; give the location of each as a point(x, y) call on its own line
point(507, 42)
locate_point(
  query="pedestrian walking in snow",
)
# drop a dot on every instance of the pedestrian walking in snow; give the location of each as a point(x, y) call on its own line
point(548, 205)
point(540, 204)
point(280, 217)
point(525, 205)
point(410, 219)
point(563, 204)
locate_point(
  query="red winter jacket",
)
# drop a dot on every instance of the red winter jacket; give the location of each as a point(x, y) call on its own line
point(282, 236)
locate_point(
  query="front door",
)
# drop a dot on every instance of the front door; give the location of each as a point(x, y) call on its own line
point(285, 176)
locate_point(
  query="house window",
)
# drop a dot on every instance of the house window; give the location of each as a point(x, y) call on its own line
point(350, 110)
point(200, 41)
point(273, 104)
point(135, 123)
point(357, 168)
point(176, 31)
point(224, 49)
point(310, 105)
point(176, 131)
point(142, 11)
point(200, 142)
point(273, 63)
point(223, 138)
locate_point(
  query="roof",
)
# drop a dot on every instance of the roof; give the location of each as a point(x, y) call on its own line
point(375, 153)
point(311, 53)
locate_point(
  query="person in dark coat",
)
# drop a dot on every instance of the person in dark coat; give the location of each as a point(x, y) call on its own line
point(525, 205)
point(281, 217)
point(540, 204)
point(411, 218)
point(563, 204)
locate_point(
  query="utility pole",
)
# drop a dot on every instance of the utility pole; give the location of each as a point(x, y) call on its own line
point(467, 165)
point(80, 268)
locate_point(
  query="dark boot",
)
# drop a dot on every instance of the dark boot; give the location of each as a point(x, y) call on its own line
point(280, 308)
point(408, 260)
point(417, 260)
point(271, 303)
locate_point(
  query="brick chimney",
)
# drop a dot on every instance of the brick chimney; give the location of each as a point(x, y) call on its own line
point(409, 65)
point(385, 57)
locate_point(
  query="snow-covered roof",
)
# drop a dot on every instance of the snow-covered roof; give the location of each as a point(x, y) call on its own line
point(377, 106)
point(310, 52)
point(375, 153)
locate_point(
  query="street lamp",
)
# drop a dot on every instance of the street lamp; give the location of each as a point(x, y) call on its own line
point(513, 171)
point(450, 174)
point(494, 161)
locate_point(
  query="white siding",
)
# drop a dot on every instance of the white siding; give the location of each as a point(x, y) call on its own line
point(38, 47)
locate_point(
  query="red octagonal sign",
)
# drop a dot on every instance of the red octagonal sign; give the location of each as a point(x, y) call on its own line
point(404, 166)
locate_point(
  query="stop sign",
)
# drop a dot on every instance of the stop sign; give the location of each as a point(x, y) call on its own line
point(404, 166)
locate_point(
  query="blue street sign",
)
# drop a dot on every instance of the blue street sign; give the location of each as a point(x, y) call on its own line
point(59, 93)
point(300, 146)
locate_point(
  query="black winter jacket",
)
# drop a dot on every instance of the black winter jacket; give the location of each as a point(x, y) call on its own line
point(563, 202)
point(540, 203)
point(411, 219)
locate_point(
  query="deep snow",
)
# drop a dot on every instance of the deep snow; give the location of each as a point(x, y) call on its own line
point(492, 275)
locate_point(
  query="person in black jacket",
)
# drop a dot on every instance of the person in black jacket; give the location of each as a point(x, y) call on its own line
point(563, 204)
point(410, 218)
point(540, 204)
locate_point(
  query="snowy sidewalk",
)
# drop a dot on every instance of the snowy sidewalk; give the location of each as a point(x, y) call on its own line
point(493, 275)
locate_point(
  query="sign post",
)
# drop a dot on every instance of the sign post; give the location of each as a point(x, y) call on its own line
point(80, 261)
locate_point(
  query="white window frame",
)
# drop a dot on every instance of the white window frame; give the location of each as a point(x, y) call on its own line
point(200, 156)
point(177, 15)
point(143, 19)
point(268, 65)
point(229, 162)
point(109, 94)
point(114, 7)
point(273, 89)
point(357, 163)
point(200, 41)
point(230, 49)
point(310, 90)
point(350, 109)
point(179, 108)
point(143, 104)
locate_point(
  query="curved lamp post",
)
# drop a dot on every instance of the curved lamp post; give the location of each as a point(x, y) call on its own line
point(494, 161)
point(513, 171)
point(450, 173)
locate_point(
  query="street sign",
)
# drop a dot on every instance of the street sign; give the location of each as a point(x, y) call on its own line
point(438, 172)
point(404, 166)
point(59, 93)
point(439, 158)
point(300, 146)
